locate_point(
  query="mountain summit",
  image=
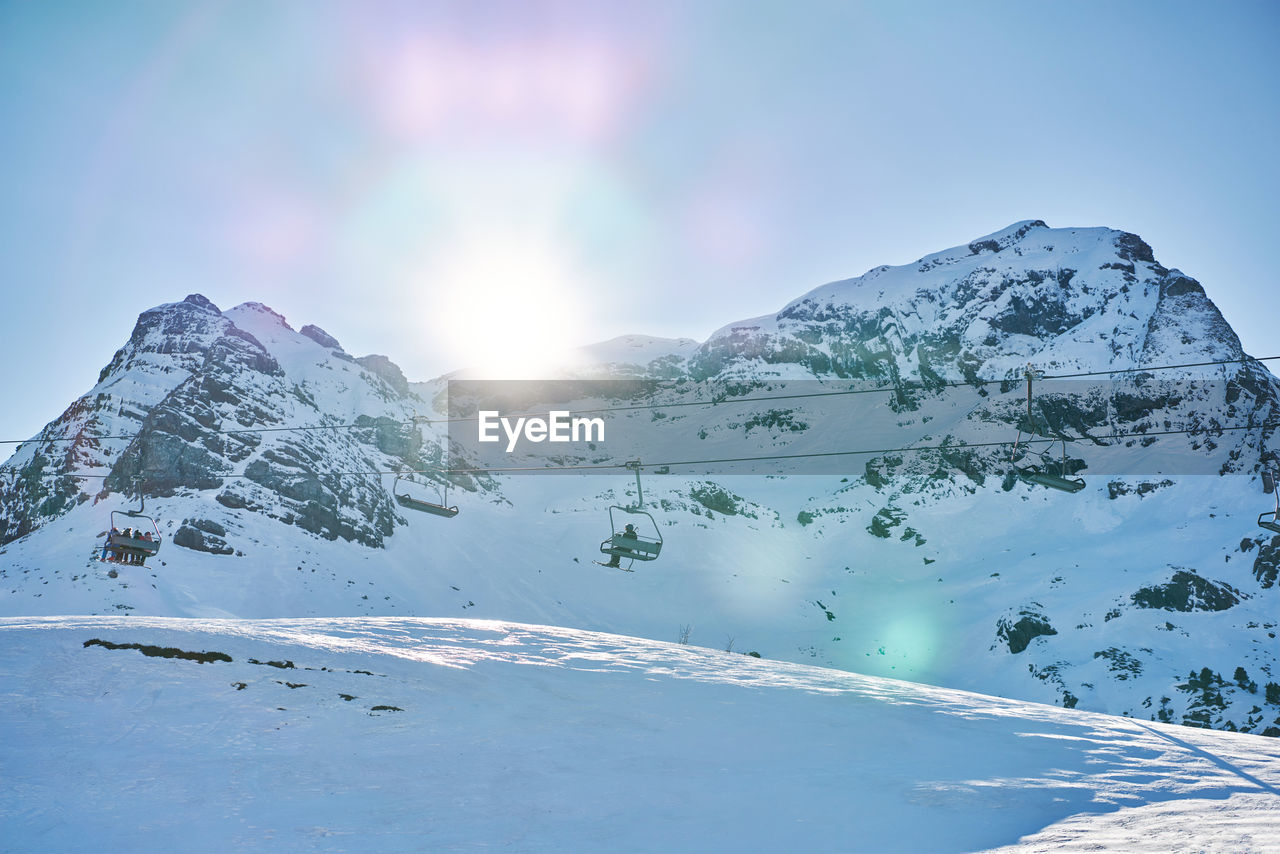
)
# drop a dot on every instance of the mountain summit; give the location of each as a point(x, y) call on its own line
point(1068, 299)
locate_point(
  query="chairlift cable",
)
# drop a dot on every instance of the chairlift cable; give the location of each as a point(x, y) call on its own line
point(759, 458)
point(675, 404)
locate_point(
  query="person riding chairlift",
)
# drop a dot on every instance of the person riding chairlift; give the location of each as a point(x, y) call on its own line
point(629, 533)
point(110, 552)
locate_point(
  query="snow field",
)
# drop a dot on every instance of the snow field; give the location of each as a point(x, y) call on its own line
point(533, 738)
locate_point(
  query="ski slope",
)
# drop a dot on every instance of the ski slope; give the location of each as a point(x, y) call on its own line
point(406, 734)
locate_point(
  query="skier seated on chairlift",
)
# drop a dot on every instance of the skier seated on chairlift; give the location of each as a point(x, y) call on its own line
point(630, 534)
point(127, 555)
point(109, 552)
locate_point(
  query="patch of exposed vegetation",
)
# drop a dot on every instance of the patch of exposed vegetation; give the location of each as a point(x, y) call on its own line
point(162, 651)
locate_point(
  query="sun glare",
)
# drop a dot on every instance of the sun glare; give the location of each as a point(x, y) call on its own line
point(513, 307)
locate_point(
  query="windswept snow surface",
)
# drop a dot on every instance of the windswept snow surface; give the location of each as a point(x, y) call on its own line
point(404, 734)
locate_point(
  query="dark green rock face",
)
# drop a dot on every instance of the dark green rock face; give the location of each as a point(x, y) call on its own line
point(1019, 634)
point(1186, 591)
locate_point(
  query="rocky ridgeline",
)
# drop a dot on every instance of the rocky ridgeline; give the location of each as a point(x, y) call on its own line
point(191, 376)
point(1063, 298)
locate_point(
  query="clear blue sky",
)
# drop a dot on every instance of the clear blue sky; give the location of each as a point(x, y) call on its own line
point(448, 183)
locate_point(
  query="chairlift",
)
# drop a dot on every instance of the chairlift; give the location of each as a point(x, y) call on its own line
point(1270, 519)
point(441, 509)
point(124, 546)
point(632, 545)
point(1050, 472)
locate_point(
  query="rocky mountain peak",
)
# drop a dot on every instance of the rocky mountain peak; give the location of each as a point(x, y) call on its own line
point(1062, 297)
point(182, 406)
point(388, 370)
point(318, 335)
point(1005, 237)
point(203, 302)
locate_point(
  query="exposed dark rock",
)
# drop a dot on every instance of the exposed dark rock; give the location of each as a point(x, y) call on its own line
point(162, 651)
point(1039, 314)
point(203, 536)
point(1123, 665)
point(715, 497)
point(1187, 591)
point(1020, 633)
point(996, 245)
point(203, 302)
point(318, 335)
point(879, 470)
point(1181, 285)
point(392, 437)
point(1116, 488)
point(1266, 566)
point(777, 420)
point(1131, 247)
point(970, 464)
point(388, 370)
point(883, 523)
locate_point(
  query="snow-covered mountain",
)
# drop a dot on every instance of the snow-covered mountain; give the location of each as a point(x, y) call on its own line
point(1065, 299)
point(1151, 593)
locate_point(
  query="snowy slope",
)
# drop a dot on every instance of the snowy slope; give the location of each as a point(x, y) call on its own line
point(382, 734)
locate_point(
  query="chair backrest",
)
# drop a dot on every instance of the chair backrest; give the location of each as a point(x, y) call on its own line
point(1054, 482)
point(636, 544)
point(137, 544)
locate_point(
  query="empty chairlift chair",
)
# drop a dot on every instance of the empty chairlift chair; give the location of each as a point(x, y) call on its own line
point(409, 501)
point(1270, 519)
point(1050, 472)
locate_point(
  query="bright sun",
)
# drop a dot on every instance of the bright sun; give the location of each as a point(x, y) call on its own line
point(512, 308)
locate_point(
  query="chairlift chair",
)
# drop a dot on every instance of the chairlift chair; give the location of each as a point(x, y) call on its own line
point(1270, 519)
point(642, 547)
point(117, 540)
point(1052, 473)
point(441, 509)
point(121, 544)
point(1048, 472)
point(639, 547)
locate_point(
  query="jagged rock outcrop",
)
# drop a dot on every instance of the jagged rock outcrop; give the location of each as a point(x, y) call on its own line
point(190, 405)
point(1029, 624)
point(1187, 591)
